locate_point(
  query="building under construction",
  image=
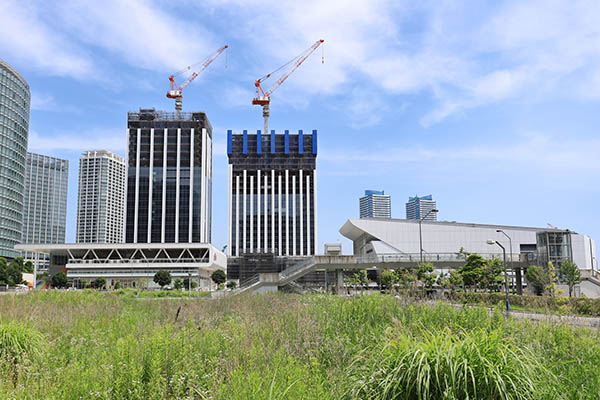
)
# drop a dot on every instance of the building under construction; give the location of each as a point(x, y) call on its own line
point(169, 179)
point(272, 200)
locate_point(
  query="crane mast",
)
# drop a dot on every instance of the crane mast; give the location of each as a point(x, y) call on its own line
point(264, 98)
point(175, 92)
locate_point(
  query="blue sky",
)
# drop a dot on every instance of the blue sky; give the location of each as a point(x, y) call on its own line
point(492, 107)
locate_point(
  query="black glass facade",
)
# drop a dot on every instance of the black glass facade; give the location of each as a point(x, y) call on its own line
point(169, 187)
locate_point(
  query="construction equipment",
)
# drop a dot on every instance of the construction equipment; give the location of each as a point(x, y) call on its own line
point(265, 99)
point(175, 92)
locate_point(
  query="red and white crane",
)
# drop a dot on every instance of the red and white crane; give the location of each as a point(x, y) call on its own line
point(264, 98)
point(175, 92)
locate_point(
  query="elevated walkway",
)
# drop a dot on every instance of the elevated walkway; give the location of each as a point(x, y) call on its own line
point(273, 281)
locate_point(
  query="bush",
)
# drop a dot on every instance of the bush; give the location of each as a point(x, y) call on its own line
point(441, 365)
point(59, 280)
point(17, 344)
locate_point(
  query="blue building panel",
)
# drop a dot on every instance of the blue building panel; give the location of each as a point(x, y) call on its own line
point(287, 141)
point(314, 141)
point(272, 142)
point(300, 142)
point(258, 142)
point(229, 138)
point(245, 142)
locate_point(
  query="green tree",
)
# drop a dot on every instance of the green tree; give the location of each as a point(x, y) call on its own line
point(537, 278)
point(387, 279)
point(455, 279)
point(59, 280)
point(218, 277)
point(28, 267)
point(178, 283)
point(426, 275)
point(571, 274)
point(11, 274)
point(117, 285)
point(162, 278)
point(492, 275)
point(99, 283)
point(406, 277)
point(231, 285)
point(187, 284)
point(473, 270)
point(552, 280)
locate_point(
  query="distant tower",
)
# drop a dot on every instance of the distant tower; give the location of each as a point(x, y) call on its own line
point(101, 198)
point(169, 183)
point(417, 207)
point(375, 204)
point(45, 201)
point(14, 128)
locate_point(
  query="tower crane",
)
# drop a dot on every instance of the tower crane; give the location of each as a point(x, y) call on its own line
point(175, 92)
point(264, 98)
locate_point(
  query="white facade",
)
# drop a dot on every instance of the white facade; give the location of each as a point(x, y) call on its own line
point(399, 236)
point(101, 197)
point(129, 262)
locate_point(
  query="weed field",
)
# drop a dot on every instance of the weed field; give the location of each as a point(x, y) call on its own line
point(94, 345)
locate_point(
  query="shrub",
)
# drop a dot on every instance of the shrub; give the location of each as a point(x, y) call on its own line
point(441, 365)
point(17, 344)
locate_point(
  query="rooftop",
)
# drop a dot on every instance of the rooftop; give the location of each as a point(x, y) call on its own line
point(14, 71)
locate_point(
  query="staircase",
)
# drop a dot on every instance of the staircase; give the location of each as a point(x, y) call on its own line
point(271, 282)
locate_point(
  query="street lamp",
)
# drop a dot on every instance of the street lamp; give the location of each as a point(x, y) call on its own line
point(519, 287)
point(421, 234)
point(493, 242)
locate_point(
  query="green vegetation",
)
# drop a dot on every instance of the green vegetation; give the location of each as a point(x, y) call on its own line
point(218, 277)
point(571, 274)
point(59, 280)
point(11, 274)
point(162, 278)
point(108, 345)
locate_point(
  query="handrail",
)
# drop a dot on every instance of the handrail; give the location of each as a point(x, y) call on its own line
point(249, 281)
point(289, 271)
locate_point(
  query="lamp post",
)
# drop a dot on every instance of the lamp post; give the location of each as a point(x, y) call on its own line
point(493, 242)
point(518, 276)
point(421, 234)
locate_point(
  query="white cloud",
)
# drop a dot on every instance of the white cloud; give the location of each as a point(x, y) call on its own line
point(463, 56)
point(532, 152)
point(26, 38)
point(96, 139)
point(42, 101)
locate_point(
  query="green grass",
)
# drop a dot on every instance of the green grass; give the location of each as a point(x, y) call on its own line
point(104, 345)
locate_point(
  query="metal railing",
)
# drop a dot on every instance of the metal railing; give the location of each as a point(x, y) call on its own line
point(250, 281)
point(427, 257)
point(294, 268)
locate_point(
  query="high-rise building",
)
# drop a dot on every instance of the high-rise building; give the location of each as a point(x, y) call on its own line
point(14, 128)
point(420, 208)
point(45, 201)
point(169, 180)
point(272, 193)
point(101, 198)
point(375, 204)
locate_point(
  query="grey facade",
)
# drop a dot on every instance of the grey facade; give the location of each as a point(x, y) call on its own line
point(272, 193)
point(45, 200)
point(375, 204)
point(169, 178)
point(101, 197)
point(420, 207)
point(15, 100)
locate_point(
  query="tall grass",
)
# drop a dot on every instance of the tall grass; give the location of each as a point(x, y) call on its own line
point(439, 365)
point(101, 346)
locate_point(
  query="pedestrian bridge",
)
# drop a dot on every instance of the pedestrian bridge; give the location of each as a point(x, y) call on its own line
point(272, 281)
